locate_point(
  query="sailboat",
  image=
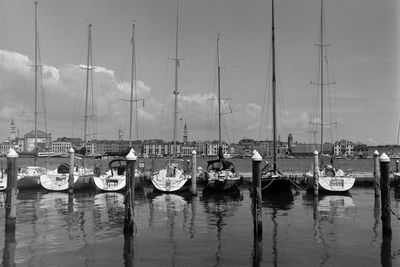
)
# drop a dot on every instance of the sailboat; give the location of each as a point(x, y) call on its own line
point(220, 175)
point(114, 179)
point(272, 180)
point(29, 177)
point(57, 180)
point(173, 178)
point(331, 178)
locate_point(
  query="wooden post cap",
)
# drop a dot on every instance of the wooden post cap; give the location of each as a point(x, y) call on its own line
point(12, 153)
point(256, 156)
point(315, 152)
point(384, 158)
point(194, 152)
point(131, 155)
point(71, 150)
point(376, 153)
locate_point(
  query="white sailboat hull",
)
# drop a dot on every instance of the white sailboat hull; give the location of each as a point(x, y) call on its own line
point(328, 183)
point(54, 181)
point(110, 183)
point(169, 179)
point(3, 182)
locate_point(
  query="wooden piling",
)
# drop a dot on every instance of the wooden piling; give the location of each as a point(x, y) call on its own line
point(385, 195)
point(316, 173)
point(71, 170)
point(397, 165)
point(376, 176)
point(129, 226)
point(194, 172)
point(256, 194)
point(11, 190)
point(9, 248)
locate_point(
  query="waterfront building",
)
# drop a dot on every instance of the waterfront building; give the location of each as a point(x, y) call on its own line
point(185, 134)
point(5, 147)
point(60, 147)
point(307, 150)
point(245, 147)
point(290, 144)
point(43, 140)
point(153, 147)
point(187, 149)
point(365, 151)
point(213, 147)
point(13, 132)
point(343, 148)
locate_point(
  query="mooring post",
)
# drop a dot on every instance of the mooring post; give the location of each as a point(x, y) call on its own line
point(130, 193)
point(256, 197)
point(11, 190)
point(376, 176)
point(385, 195)
point(194, 172)
point(71, 170)
point(316, 173)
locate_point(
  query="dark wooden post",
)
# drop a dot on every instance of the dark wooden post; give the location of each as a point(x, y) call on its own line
point(11, 190)
point(129, 226)
point(71, 171)
point(256, 197)
point(397, 165)
point(316, 173)
point(385, 195)
point(256, 206)
point(376, 176)
point(194, 172)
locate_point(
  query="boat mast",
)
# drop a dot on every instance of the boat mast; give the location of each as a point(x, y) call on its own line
point(176, 80)
point(88, 68)
point(219, 101)
point(36, 82)
point(273, 88)
point(322, 76)
point(133, 88)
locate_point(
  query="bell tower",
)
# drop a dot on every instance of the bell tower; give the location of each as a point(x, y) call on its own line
point(185, 134)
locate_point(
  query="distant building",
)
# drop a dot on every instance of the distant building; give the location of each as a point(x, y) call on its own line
point(213, 147)
point(365, 151)
point(343, 148)
point(290, 144)
point(13, 132)
point(185, 134)
point(43, 140)
point(245, 147)
point(60, 147)
point(301, 150)
point(5, 147)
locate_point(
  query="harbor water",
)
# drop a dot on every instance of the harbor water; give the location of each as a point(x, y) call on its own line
point(53, 229)
point(86, 228)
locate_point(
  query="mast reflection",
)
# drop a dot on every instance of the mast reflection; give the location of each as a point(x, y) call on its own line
point(276, 202)
point(219, 206)
point(172, 205)
point(329, 208)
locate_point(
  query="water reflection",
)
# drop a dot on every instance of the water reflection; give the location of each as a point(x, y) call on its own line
point(218, 207)
point(377, 213)
point(172, 205)
point(282, 201)
point(9, 245)
point(327, 210)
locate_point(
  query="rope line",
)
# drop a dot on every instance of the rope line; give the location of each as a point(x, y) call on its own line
point(394, 213)
point(296, 185)
point(273, 179)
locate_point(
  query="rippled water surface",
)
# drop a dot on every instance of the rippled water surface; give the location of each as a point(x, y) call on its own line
point(54, 229)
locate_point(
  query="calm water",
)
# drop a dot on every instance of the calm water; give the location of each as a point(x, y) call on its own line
point(172, 230)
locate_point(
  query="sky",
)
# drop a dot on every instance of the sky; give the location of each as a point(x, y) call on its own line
point(363, 56)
